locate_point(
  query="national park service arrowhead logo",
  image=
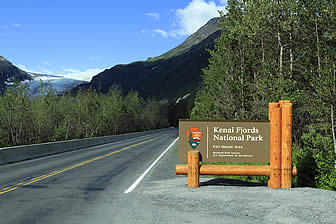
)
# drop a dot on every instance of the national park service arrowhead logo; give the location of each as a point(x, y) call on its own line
point(194, 136)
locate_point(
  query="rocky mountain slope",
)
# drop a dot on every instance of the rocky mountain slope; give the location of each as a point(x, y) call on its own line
point(169, 76)
point(9, 73)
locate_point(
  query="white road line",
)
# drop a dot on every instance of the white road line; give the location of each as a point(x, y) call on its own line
point(133, 186)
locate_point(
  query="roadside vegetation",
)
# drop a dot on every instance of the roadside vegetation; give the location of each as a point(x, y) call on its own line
point(25, 119)
point(274, 50)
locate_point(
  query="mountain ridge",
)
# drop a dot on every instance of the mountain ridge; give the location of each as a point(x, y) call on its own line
point(169, 76)
point(201, 34)
point(10, 73)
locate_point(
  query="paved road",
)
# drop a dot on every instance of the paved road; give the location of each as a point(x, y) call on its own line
point(84, 186)
point(87, 187)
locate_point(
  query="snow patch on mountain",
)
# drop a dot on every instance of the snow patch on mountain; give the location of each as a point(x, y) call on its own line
point(59, 83)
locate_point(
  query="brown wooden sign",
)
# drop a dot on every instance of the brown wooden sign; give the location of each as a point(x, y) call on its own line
point(225, 141)
point(280, 169)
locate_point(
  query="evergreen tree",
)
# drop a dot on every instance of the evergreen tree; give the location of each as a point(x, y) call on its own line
point(273, 50)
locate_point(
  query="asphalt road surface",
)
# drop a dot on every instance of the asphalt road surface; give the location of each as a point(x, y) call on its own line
point(74, 187)
point(88, 187)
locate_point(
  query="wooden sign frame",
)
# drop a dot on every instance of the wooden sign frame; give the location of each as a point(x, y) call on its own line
point(280, 169)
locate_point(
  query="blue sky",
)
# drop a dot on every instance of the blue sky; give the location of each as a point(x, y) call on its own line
point(80, 38)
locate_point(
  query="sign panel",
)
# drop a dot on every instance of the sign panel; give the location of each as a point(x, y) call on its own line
point(225, 141)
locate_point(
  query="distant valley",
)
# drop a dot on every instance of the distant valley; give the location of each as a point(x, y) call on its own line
point(173, 76)
point(9, 74)
point(59, 83)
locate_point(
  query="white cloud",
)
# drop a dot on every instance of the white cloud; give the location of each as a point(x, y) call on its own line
point(81, 75)
point(189, 19)
point(39, 70)
point(71, 70)
point(161, 32)
point(44, 70)
point(7, 27)
point(24, 68)
point(154, 15)
point(195, 15)
point(155, 32)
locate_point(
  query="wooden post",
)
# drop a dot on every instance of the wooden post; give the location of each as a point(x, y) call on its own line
point(193, 169)
point(286, 146)
point(240, 170)
point(283, 117)
point(282, 102)
point(271, 106)
point(280, 170)
point(275, 154)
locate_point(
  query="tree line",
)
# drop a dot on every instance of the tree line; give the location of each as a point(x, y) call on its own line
point(273, 50)
point(25, 119)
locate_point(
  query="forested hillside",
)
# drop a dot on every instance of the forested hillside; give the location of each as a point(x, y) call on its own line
point(169, 76)
point(273, 50)
point(27, 120)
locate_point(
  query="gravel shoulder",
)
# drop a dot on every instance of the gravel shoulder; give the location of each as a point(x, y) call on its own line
point(164, 197)
point(169, 199)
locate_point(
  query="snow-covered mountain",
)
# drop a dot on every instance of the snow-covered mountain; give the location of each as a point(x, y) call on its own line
point(59, 83)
